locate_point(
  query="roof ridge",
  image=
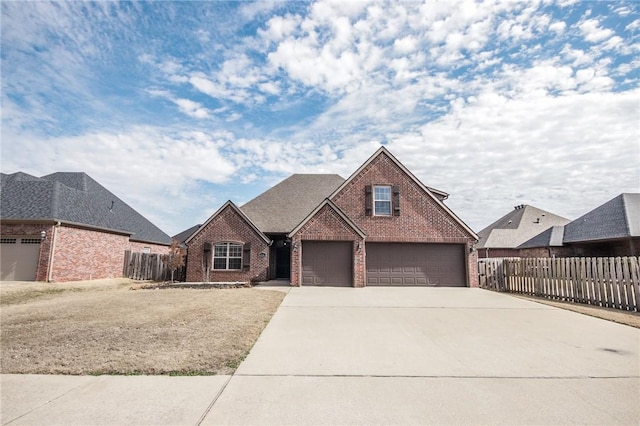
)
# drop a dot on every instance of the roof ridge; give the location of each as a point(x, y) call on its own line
point(626, 213)
point(55, 196)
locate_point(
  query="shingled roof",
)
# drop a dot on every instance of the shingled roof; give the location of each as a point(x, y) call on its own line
point(73, 198)
point(283, 207)
point(517, 227)
point(552, 237)
point(617, 218)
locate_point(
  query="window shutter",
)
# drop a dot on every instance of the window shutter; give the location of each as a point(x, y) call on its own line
point(367, 200)
point(206, 255)
point(246, 256)
point(396, 200)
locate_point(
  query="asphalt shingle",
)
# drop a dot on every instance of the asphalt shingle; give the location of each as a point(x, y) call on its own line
point(74, 198)
point(617, 218)
point(283, 207)
point(518, 226)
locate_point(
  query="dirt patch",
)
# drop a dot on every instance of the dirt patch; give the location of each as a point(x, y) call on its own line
point(628, 318)
point(108, 329)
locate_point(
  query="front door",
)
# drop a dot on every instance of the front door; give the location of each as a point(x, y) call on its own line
point(283, 260)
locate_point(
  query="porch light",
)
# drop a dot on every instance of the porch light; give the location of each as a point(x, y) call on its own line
point(43, 235)
point(295, 246)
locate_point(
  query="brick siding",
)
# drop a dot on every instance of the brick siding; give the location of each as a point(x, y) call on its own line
point(327, 225)
point(421, 220)
point(79, 254)
point(227, 226)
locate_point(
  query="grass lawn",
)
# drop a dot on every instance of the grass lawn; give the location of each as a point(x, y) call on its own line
point(104, 327)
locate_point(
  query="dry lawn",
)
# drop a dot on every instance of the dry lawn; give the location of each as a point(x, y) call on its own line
point(107, 328)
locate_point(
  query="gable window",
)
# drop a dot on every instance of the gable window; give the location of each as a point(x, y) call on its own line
point(227, 256)
point(382, 200)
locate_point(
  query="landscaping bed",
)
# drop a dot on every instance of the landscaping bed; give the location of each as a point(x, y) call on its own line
point(106, 328)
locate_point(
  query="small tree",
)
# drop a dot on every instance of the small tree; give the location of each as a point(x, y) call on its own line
point(176, 257)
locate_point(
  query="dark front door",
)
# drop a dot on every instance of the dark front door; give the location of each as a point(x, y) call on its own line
point(283, 260)
point(327, 263)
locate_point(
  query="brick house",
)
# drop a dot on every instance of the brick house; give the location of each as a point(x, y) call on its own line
point(66, 227)
point(381, 226)
point(504, 237)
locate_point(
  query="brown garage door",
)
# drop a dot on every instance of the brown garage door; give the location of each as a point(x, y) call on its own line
point(19, 258)
point(398, 264)
point(327, 263)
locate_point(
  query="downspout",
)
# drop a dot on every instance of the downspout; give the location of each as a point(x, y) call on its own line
point(53, 247)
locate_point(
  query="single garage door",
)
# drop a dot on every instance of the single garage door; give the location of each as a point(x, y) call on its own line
point(400, 264)
point(327, 263)
point(19, 258)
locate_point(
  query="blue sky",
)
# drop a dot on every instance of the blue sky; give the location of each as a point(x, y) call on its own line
point(177, 107)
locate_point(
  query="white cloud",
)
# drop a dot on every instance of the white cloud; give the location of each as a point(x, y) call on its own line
point(558, 27)
point(592, 31)
point(191, 108)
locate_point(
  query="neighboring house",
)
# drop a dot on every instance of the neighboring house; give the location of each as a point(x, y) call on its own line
point(66, 226)
point(612, 229)
point(381, 226)
point(182, 236)
point(548, 243)
point(503, 237)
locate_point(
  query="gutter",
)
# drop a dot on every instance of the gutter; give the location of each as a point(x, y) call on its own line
point(53, 247)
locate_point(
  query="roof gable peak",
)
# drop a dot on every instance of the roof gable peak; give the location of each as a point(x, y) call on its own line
point(230, 204)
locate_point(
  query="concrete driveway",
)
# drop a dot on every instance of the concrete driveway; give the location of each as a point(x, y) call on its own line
point(378, 356)
point(433, 356)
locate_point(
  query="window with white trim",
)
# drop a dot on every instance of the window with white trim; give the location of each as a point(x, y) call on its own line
point(227, 256)
point(382, 200)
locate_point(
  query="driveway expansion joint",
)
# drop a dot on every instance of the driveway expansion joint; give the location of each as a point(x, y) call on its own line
point(215, 398)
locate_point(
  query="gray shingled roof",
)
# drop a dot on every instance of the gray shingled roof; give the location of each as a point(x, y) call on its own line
point(73, 198)
point(517, 227)
point(283, 207)
point(617, 218)
point(182, 236)
point(552, 237)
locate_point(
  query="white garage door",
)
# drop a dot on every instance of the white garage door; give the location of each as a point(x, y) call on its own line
point(19, 258)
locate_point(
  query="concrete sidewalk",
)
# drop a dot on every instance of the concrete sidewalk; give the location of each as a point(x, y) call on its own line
point(377, 356)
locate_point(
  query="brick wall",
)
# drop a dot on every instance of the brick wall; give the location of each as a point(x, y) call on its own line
point(79, 254)
point(138, 247)
point(227, 226)
point(421, 218)
point(83, 254)
point(327, 225)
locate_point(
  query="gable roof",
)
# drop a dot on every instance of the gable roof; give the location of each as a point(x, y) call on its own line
point(552, 237)
point(73, 198)
point(437, 195)
point(182, 236)
point(328, 202)
point(235, 208)
point(617, 218)
point(383, 150)
point(284, 206)
point(518, 226)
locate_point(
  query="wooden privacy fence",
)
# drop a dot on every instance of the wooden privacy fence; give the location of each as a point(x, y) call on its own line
point(146, 266)
point(613, 282)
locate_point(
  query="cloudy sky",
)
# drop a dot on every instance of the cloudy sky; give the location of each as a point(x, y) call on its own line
point(177, 107)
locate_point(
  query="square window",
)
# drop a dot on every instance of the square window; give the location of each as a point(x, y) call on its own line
point(227, 256)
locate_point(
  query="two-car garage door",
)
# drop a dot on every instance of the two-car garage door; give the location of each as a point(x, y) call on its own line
point(411, 264)
point(330, 263)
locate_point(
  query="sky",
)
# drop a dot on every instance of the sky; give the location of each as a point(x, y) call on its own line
point(177, 107)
